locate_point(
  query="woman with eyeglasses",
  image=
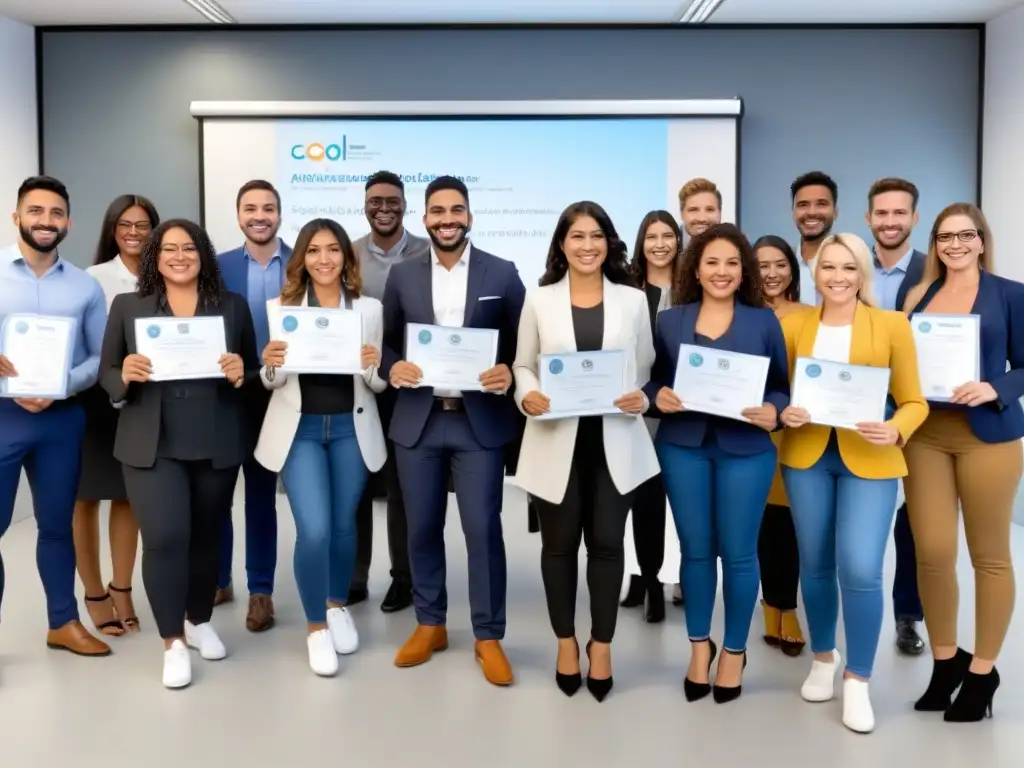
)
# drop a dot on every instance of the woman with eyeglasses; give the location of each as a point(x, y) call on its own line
point(966, 459)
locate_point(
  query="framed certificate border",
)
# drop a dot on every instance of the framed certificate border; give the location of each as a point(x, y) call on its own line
point(922, 322)
point(419, 335)
point(20, 323)
point(147, 328)
point(813, 367)
point(285, 320)
point(552, 365)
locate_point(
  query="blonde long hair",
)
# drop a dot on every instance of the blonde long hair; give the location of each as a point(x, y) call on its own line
point(862, 257)
point(934, 269)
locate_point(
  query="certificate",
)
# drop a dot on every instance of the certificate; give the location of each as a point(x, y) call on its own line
point(948, 352)
point(840, 395)
point(181, 348)
point(39, 347)
point(718, 382)
point(451, 358)
point(583, 383)
point(319, 340)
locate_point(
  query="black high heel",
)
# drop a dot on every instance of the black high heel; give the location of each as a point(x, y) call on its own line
point(974, 702)
point(695, 691)
point(569, 684)
point(598, 687)
point(723, 694)
point(947, 675)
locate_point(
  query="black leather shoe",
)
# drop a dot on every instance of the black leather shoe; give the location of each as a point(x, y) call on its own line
point(908, 642)
point(636, 594)
point(399, 597)
point(357, 595)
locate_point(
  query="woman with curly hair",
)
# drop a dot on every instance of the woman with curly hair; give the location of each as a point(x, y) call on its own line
point(181, 442)
point(717, 471)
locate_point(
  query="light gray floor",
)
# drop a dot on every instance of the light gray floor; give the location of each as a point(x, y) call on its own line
point(263, 707)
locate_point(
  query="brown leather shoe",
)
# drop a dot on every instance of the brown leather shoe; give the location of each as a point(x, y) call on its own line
point(261, 613)
point(493, 662)
point(421, 645)
point(73, 637)
point(225, 595)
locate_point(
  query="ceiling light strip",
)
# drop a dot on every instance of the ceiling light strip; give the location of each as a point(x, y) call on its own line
point(210, 10)
point(709, 8)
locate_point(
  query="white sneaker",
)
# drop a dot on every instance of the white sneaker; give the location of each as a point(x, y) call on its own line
point(204, 639)
point(343, 631)
point(820, 684)
point(858, 715)
point(177, 666)
point(323, 659)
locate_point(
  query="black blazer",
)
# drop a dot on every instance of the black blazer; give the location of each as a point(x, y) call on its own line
point(138, 428)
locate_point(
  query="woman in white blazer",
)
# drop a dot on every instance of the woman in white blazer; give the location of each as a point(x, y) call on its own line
point(582, 471)
point(323, 435)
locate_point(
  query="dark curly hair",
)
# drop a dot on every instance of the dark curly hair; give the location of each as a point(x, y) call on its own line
point(615, 266)
point(638, 265)
point(686, 287)
point(152, 282)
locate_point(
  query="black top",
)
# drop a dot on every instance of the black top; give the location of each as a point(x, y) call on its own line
point(706, 341)
point(187, 433)
point(324, 394)
point(588, 325)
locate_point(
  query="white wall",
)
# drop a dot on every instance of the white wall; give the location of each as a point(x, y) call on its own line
point(19, 150)
point(1002, 191)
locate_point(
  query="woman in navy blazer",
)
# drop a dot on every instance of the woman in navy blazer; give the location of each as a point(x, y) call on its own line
point(967, 455)
point(718, 471)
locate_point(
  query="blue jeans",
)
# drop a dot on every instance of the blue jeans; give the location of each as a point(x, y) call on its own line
point(324, 476)
point(842, 524)
point(717, 502)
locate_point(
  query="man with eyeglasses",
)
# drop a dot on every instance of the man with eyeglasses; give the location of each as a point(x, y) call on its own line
point(388, 243)
point(892, 215)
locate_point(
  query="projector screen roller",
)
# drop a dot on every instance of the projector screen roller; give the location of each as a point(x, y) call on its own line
point(521, 171)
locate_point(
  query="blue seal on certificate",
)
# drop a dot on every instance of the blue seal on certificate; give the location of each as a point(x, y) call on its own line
point(696, 361)
point(924, 327)
point(424, 336)
point(556, 366)
point(844, 376)
point(322, 322)
point(21, 327)
point(153, 331)
point(454, 339)
point(813, 370)
point(290, 323)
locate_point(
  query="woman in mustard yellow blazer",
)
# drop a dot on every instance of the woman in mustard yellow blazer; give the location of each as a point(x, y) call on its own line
point(842, 483)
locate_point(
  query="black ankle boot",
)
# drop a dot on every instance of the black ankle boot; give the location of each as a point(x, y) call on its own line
point(635, 594)
point(694, 691)
point(655, 606)
point(974, 702)
point(947, 675)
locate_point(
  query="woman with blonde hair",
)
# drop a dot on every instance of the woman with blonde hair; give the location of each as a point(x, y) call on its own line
point(967, 455)
point(842, 483)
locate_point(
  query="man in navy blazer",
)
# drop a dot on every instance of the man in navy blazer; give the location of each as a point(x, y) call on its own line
point(892, 215)
point(256, 271)
point(434, 431)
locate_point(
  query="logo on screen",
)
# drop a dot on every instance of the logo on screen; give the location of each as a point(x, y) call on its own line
point(334, 152)
point(723, 364)
point(924, 327)
point(556, 366)
point(290, 323)
point(587, 365)
point(424, 336)
point(455, 339)
point(696, 361)
point(844, 375)
point(153, 331)
point(813, 370)
point(322, 322)
point(21, 327)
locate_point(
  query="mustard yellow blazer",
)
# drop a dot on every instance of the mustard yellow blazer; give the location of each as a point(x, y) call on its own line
point(880, 338)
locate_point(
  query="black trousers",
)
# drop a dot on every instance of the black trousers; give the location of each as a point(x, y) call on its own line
point(398, 528)
point(180, 506)
point(778, 558)
point(592, 510)
point(649, 509)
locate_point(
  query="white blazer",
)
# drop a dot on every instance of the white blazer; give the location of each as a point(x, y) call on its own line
point(546, 327)
point(285, 409)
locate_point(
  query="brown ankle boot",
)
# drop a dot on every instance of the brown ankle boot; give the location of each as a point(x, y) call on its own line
point(421, 645)
point(772, 625)
point(792, 636)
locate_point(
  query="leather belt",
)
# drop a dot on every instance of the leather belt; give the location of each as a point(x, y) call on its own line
point(449, 404)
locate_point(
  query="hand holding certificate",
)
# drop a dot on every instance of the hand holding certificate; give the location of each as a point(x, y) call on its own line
point(721, 383)
point(319, 340)
point(448, 358)
point(841, 396)
point(948, 353)
point(583, 384)
point(37, 350)
point(177, 348)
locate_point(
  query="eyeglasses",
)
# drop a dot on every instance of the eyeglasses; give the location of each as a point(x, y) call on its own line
point(141, 227)
point(966, 236)
point(384, 203)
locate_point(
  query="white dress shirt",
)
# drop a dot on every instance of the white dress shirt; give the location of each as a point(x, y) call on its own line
point(833, 343)
point(114, 278)
point(448, 288)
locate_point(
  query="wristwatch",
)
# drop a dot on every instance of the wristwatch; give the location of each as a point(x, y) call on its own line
point(269, 372)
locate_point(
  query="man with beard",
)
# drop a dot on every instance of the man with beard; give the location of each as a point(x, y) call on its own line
point(256, 271)
point(44, 436)
point(437, 431)
point(815, 197)
point(892, 216)
point(700, 205)
point(387, 244)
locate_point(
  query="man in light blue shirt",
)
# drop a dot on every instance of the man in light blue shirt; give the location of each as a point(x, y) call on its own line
point(42, 436)
point(256, 271)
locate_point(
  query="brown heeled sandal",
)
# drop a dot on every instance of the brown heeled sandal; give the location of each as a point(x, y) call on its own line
point(792, 636)
point(112, 628)
point(772, 625)
point(130, 623)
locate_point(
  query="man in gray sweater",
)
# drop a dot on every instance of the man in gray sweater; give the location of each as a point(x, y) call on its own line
point(388, 243)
